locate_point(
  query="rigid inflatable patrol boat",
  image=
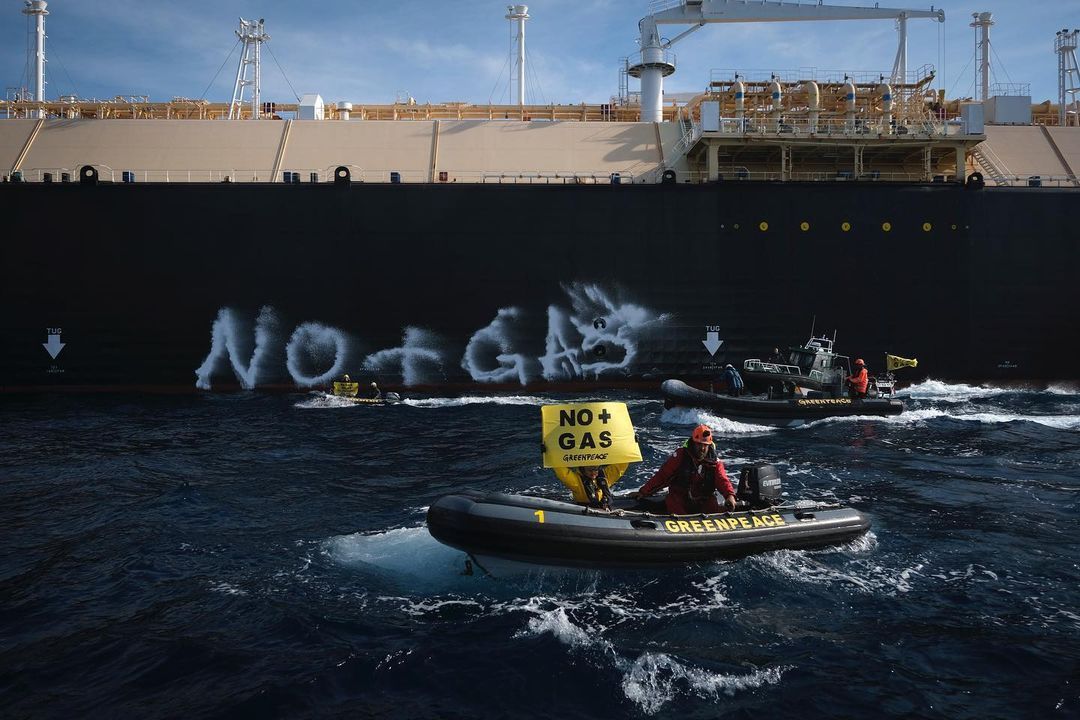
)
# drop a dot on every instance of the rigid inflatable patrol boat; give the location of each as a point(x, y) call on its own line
point(635, 533)
point(784, 412)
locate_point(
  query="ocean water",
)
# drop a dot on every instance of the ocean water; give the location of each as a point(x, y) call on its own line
point(251, 555)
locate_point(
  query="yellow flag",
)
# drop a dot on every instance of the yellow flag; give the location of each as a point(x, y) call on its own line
point(597, 433)
point(893, 362)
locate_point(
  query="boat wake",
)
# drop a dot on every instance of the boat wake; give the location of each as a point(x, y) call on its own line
point(937, 390)
point(921, 416)
point(719, 425)
point(650, 680)
point(864, 575)
point(402, 555)
point(476, 400)
point(324, 401)
point(597, 617)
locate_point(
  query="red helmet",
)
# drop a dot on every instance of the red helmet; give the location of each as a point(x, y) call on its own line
point(702, 434)
point(860, 362)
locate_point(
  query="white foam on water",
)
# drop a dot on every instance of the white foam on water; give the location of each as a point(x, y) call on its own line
point(428, 606)
point(477, 400)
point(323, 401)
point(655, 679)
point(914, 417)
point(410, 553)
point(1059, 422)
point(558, 623)
point(719, 425)
point(863, 574)
point(227, 589)
point(931, 389)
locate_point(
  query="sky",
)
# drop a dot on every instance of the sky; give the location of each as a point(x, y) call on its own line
point(374, 52)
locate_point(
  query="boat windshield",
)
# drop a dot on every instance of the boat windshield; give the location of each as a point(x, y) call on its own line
point(805, 360)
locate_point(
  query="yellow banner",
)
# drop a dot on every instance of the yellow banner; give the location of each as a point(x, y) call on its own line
point(588, 434)
point(346, 389)
point(892, 362)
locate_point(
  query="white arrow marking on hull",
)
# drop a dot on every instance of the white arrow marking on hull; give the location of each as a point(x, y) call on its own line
point(712, 342)
point(54, 346)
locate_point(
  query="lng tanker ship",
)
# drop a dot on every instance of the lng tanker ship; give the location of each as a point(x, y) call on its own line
point(164, 245)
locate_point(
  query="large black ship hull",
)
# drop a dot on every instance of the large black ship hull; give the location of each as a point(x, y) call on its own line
point(268, 285)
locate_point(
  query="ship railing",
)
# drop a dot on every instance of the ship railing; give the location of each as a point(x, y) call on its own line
point(738, 174)
point(755, 365)
point(691, 134)
point(552, 177)
point(1037, 181)
point(658, 6)
point(787, 127)
point(109, 174)
point(792, 76)
point(326, 175)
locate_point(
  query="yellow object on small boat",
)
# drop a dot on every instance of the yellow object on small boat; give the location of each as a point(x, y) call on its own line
point(346, 389)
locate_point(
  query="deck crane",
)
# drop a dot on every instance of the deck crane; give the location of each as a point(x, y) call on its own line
point(656, 64)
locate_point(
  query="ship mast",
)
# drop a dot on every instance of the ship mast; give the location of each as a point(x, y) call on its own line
point(982, 22)
point(519, 13)
point(37, 9)
point(253, 34)
point(1068, 76)
point(657, 63)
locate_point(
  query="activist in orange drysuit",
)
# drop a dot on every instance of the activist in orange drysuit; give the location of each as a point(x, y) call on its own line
point(858, 380)
point(691, 475)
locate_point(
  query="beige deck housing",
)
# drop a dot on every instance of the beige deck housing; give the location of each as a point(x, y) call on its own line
point(420, 151)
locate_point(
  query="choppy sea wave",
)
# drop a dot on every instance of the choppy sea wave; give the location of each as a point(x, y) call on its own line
point(248, 555)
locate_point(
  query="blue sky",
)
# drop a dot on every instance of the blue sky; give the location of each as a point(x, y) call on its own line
point(366, 51)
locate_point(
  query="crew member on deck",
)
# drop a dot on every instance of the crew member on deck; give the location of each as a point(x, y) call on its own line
point(591, 484)
point(858, 380)
point(373, 392)
point(734, 381)
point(692, 476)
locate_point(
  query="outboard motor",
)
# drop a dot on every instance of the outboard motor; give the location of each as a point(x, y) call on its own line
point(759, 485)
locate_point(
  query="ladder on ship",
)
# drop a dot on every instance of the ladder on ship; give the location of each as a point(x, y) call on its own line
point(690, 132)
point(991, 163)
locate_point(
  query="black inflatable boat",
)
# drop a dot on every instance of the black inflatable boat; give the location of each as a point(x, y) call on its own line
point(633, 533)
point(782, 412)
